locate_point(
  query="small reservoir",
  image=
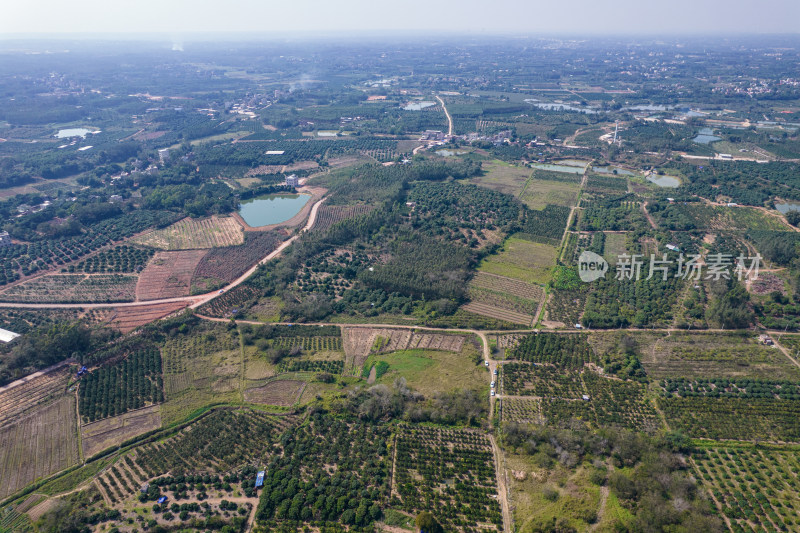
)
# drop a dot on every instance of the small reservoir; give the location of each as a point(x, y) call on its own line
point(272, 208)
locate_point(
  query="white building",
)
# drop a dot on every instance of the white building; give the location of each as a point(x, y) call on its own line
point(292, 181)
point(5, 238)
point(7, 336)
point(163, 154)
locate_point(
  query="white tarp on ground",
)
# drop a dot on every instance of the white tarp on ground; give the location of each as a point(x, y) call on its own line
point(7, 336)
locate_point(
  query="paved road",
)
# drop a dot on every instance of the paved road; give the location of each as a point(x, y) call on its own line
point(194, 301)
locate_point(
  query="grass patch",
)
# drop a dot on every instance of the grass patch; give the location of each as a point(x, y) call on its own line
point(430, 371)
point(539, 193)
point(523, 260)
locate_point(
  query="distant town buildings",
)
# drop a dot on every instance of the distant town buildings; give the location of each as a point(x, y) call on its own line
point(5, 238)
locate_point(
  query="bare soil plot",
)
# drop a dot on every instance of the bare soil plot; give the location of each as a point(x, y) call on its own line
point(358, 343)
point(73, 288)
point(281, 392)
point(168, 274)
point(44, 506)
point(26, 394)
point(103, 434)
point(192, 233)
point(38, 445)
point(126, 319)
point(498, 313)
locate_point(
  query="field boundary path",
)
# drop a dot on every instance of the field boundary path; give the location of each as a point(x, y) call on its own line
point(502, 486)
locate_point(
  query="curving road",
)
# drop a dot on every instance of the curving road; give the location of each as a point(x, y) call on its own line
point(194, 301)
point(449, 118)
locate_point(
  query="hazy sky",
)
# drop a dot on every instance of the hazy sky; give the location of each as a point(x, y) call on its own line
point(179, 17)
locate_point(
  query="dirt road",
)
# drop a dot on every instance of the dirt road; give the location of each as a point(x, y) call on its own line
point(447, 113)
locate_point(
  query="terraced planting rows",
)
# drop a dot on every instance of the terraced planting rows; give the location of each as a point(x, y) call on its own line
point(483, 309)
point(224, 265)
point(168, 275)
point(126, 319)
point(17, 399)
point(500, 293)
point(38, 444)
point(231, 302)
point(121, 481)
point(73, 288)
point(193, 233)
point(328, 215)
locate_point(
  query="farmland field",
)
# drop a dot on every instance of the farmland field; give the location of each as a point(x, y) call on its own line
point(358, 343)
point(428, 460)
point(608, 402)
point(522, 260)
point(73, 288)
point(503, 177)
point(168, 274)
point(504, 297)
point(25, 395)
point(716, 355)
point(328, 215)
point(224, 265)
point(283, 392)
point(730, 473)
point(541, 192)
point(734, 417)
point(225, 438)
point(38, 444)
point(126, 319)
point(100, 435)
point(200, 369)
point(498, 313)
point(191, 233)
point(431, 371)
point(123, 258)
point(125, 385)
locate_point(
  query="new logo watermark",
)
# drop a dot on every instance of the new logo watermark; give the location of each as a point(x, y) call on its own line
point(592, 266)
